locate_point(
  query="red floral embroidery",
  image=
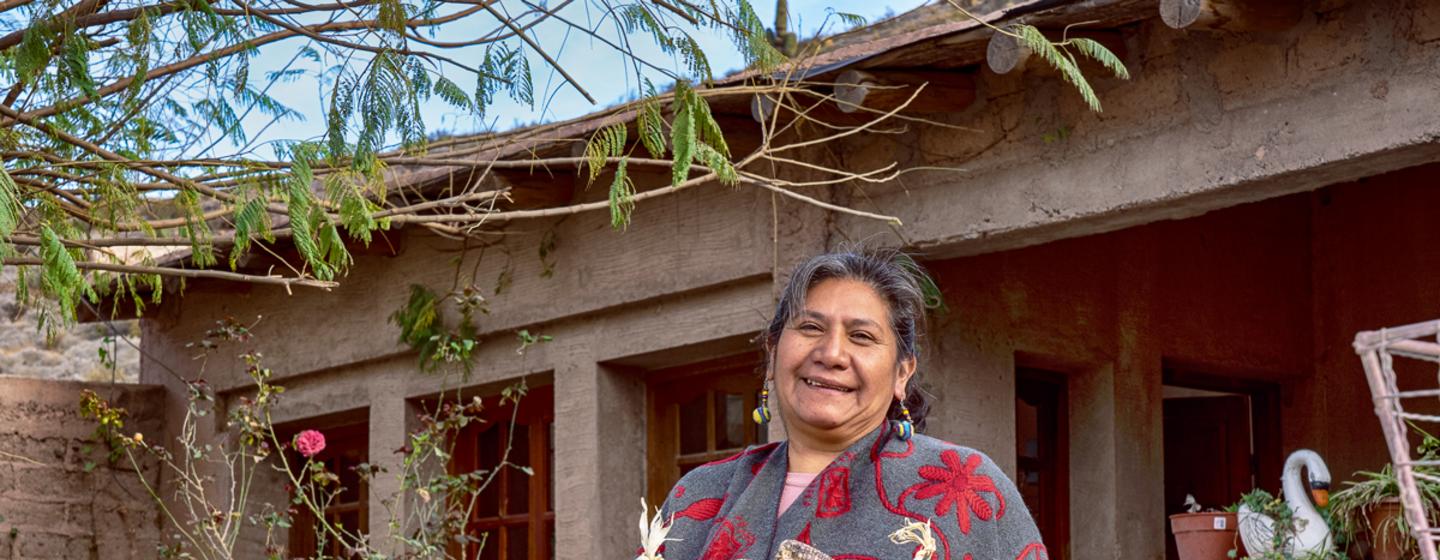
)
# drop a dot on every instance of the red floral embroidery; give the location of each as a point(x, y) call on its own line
point(834, 493)
point(679, 491)
point(702, 510)
point(730, 541)
point(959, 488)
point(804, 535)
point(877, 453)
point(1034, 551)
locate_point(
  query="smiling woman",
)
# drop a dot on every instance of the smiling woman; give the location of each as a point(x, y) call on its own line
point(851, 478)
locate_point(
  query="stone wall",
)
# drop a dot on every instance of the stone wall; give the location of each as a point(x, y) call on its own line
point(59, 496)
point(68, 353)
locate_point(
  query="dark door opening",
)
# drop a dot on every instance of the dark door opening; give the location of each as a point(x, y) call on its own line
point(1221, 440)
point(1042, 454)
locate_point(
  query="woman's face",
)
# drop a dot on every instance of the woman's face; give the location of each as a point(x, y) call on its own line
point(835, 366)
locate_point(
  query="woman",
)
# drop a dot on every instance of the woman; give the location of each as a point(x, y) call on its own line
point(841, 364)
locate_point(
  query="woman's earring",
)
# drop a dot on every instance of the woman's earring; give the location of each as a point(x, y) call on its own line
point(907, 426)
point(761, 414)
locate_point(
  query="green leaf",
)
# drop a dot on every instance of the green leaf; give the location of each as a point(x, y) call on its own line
point(605, 143)
point(650, 125)
point(333, 252)
point(1061, 61)
point(59, 277)
point(9, 205)
point(710, 131)
point(451, 93)
point(849, 19)
point(75, 63)
point(251, 220)
point(693, 55)
point(1098, 52)
point(682, 136)
point(356, 214)
point(622, 197)
point(392, 16)
point(717, 162)
point(301, 200)
point(33, 53)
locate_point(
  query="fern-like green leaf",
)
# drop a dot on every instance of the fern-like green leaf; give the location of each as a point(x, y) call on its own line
point(356, 214)
point(710, 131)
point(1098, 52)
point(392, 16)
point(301, 229)
point(33, 53)
point(451, 93)
point(335, 255)
point(9, 207)
point(749, 36)
point(202, 250)
point(251, 221)
point(605, 143)
point(682, 134)
point(717, 162)
point(1061, 61)
point(75, 63)
point(650, 125)
point(849, 19)
point(622, 197)
point(694, 58)
point(59, 277)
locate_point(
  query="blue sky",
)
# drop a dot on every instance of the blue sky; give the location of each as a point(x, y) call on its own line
point(600, 69)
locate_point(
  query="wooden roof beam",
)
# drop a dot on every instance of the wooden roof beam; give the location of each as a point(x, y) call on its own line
point(1005, 54)
point(1230, 15)
point(860, 96)
point(882, 90)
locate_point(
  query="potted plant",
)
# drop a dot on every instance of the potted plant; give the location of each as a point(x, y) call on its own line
point(1371, 505)
point(1203, 535)
point(1271, 518)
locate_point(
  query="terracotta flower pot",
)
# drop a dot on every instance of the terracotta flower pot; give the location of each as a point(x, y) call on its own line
point(1205, 535)
point(1388, 544)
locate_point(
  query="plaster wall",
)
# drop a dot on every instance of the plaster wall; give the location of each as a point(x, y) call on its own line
point(704, 238)
point(1272, 291)
point(51, 504)
point(1207, 121)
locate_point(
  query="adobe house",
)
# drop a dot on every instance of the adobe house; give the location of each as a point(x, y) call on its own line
point(1140, 300)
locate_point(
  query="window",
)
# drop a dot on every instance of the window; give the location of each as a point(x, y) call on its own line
point(699, 414)
point(1041, 450)
point(516, 512)
point(346, 446)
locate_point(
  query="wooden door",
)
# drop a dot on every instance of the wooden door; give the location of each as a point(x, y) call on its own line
point(1207, 454)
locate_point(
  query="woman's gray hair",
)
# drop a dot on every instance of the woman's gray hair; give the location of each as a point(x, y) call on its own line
point(899, 281)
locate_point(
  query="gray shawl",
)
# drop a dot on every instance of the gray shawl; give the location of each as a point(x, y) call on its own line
point(726, 510)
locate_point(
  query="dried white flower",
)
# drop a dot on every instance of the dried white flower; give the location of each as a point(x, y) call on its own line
point(652, 533)
point(918, 533)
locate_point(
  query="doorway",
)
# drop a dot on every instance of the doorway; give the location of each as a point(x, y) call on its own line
point(1042, 453)
point(1221, 439)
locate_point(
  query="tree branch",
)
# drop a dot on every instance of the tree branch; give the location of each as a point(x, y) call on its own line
point(184, 273)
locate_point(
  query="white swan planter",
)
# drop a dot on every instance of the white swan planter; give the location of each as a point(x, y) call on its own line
point(1314, 534)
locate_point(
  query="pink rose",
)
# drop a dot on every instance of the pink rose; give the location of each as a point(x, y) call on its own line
point(310, 443)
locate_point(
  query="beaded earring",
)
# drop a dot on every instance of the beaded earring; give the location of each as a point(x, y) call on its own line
point(761, 414)
point(905, 428)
